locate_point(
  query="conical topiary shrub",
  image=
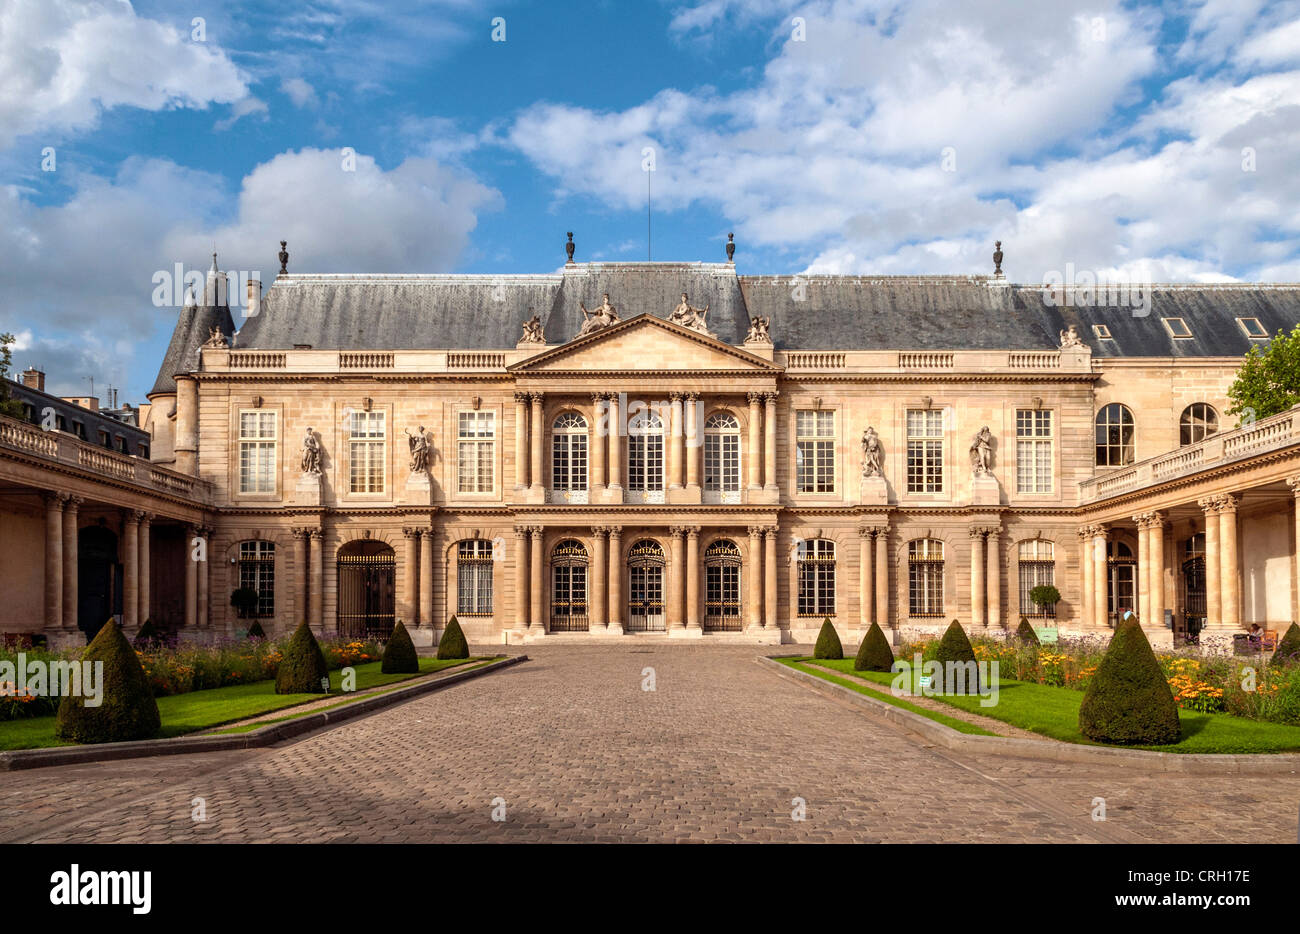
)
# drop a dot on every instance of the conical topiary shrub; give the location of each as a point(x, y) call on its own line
point(399, 653)
point(828, 642)
point(956, 647)
point(453, 644)
point(874, 654)
point(1128, 701)
point(148, 635)
point(1288, 650)
point(126, 708)
point(1025, 633)
point(256, 631)
point(302, 667)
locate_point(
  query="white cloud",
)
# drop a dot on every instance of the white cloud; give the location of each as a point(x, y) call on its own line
point(300, 92)
point(244, 107)
point(63, 62)
point(836, 151)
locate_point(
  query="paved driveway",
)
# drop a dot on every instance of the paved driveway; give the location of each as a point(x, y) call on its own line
point(572, 748)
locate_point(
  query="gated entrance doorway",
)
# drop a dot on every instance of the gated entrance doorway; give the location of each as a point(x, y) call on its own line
point(569, 587)
point(645, 591)
point(1188, 625)
point(99, 579)
point(365, 574)
point(722, 587)
point(1121, 567)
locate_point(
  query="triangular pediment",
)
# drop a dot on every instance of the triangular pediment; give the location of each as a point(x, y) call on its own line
point(644, 343)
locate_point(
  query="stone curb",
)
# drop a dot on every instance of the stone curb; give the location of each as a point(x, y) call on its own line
point(1198, 763)
point(14, 759)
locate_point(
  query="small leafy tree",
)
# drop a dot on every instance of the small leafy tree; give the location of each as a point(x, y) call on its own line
point(828, 642)
point(8, 405)
point(453, 644)
point(1044, 595)
point(955, 647)
point(126, 708)
point(1128, 701)
point(1025, 632)
point(244, 600)
point(256, 631)
point(1268, 380)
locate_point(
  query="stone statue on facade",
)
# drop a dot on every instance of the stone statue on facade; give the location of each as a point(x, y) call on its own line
point(599, 318)
point(216, 338)
point(533, 330)
point(981, 452)
point(873, 455)
point(688, 316)
point(997, 259)
point(758, 330)
point(1070, 339)
point(311, 454)
point(419, 445)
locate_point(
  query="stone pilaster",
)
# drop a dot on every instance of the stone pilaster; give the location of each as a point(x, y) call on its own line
point(693, 579)
point(993, 579)
point(615, 579)
point(426, 579)
point(521, 440)
point(770, 621)
point(55, 617)
point(1229, 567)
point(755, 452)
point(977, 586)
point(536, 585)
point(597, 613)
point(72, 562)
point(537, 435)
point(754, 579)
point(866, 579)
point(598, 446)
point(769, 442)
point(146, 565)
point(1213, 588)
point(130, 570)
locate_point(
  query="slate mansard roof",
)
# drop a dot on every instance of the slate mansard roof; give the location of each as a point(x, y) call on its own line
point(481, 312)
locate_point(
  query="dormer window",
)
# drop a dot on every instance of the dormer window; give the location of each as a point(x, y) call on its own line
point(1102, 332)
point(1252, 328)
point(1177, 327)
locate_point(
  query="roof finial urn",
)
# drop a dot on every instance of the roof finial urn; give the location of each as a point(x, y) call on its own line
point(731, 247)
point(568, 249)
point(284, 257)
point(997, 259)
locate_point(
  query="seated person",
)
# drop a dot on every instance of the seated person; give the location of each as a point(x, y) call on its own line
point(1255, 635)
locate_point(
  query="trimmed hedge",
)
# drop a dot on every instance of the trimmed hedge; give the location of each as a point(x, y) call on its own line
point(828, 642)
point(1288, 649)
point(148, 635)
point(303, 666)
point(1025, 633)
point(399, 653)
point(256, 631)
point(453, 644)
point(1128, 701)
point(955, 647)
point(875, 653)
point(126, 710)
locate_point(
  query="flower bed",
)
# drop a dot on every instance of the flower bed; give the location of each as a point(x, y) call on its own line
point(181, 669)
point(1206, 684)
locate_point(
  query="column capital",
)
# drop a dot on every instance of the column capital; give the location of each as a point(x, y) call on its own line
point(1209, 504)
point(771, 530)
point(301, 533)
point(677, 531)
point(692, 531)
point(536, 532)
point(131, 516)
point(691, 396)
point(54, 499)
point(756, 531)
point(536, 397)
point(72, 502)
point(521, 531)
point(866, 531)
point(410, 531)
point(977, 531)
point(425, 532)
point(614, 530)
point(1294, 484)
point(1228, 502)
point(600, 531)
point(598, 397)
point(755, 397)
point(770, 396)
point(676, 397)
point(316, 534)
point(521, 398)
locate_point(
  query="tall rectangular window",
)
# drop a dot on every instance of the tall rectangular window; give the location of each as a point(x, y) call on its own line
point(925, 450)
point(257, 430)
point(1037, 561)
point(925, 577)
point(816, 578)
point(367, 448)
point(257, 572)
point(814, 452)
point(645, 453)
point(1033, 450)
point(476, 452)
point(474, 578)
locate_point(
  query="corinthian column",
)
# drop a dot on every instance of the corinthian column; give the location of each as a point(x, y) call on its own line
point(426, 577)
point(300, 537)
point(882, 576)
point(520, 596)
point(770, 621)
point(316, 599)
point(676, 443)
point(130, 569)
point(54, 615)
point(1156, 584)
point(1142, 522)
point(615, 614)
point(1085, 572)
point(1229, 570)
point(994, 577)
point(408, 603)
point(537, 433)
point(1213, 591)
point(693, 578)
point(597, 615)
point(192, 554)
point(755, 443)
point(694, 441)
point(145, 596)
point(1294, 484)
point(616, 448)
point(676, 590)
point(72, 563)
point(769, 442)
point(521, 440)
point(1100, 584)
point(203, 600)
point(536, 586)
point(754, 579)
point(866, 579)
point(977, 587)
point(599, 447)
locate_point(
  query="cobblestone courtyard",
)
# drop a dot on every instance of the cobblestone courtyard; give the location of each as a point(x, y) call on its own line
point(577, 751)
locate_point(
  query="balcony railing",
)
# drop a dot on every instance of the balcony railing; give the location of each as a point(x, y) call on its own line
point(1268, 434)
point(69, 450)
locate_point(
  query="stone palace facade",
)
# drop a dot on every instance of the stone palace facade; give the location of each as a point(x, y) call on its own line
point(631, 449)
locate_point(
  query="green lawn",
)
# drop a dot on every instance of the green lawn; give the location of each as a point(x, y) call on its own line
point(853, 684)
point(1054, 712)
point(200, 710)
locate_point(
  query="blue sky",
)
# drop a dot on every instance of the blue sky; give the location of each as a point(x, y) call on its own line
point(836, 136)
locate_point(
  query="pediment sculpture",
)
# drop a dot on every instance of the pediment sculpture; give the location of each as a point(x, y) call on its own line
point(1070, 339)
point(599, 318)
point(688, 316)
point(533, 330)
point(216, 338)
point(758, 330)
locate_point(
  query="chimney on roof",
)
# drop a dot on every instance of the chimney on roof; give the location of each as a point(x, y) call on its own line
point(34, 379)
point(254, 307)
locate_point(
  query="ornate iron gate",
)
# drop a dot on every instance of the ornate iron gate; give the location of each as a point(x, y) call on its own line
point(569, 587)
point(366, 593)
point(722, 587)
point(1193, 621)
point(645, 592)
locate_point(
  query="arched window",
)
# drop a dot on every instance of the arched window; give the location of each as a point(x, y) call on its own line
point(1037, 560)
point(925, 577)
point(722, 587)
point(569, 587)
point(569, 458)
point(1115, 436)
point(474, 578)
point(257, 572)
point(645, 457)
point(722, 458)
point(1199, 421)
point(1121, 572)
point(816, 559)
